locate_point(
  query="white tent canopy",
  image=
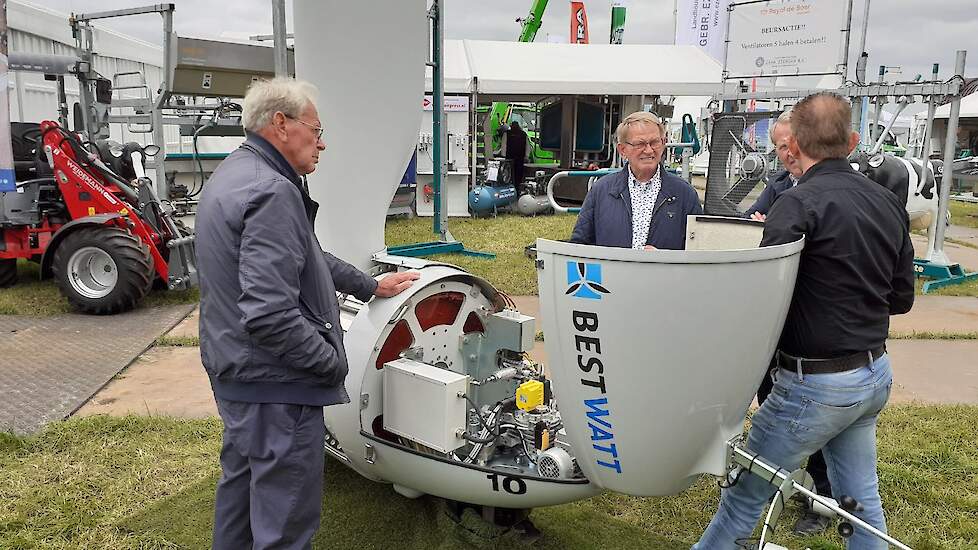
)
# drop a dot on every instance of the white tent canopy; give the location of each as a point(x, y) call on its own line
point(969, 108)
point(538, 69)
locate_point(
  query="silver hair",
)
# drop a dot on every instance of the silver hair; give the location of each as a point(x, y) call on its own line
point(266, 97)
point(783, 118)
point(640, 117)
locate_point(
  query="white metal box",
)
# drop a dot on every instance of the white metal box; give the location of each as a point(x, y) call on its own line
point(423, 403)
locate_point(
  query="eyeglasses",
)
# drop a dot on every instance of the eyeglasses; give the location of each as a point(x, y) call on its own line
point(641, 145)
point(318, 129)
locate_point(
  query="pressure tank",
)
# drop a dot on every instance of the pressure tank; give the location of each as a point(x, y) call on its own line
point(531, 205)
point(484, 199)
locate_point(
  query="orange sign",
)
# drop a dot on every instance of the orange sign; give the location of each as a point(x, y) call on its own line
point(578, 24)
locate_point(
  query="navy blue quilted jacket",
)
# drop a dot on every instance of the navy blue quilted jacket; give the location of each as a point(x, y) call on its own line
point(606, 216)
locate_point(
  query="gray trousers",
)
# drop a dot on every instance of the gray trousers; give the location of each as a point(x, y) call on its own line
point(271, 487)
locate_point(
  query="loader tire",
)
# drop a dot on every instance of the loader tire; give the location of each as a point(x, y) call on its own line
point(103, 270)
point(8, 272)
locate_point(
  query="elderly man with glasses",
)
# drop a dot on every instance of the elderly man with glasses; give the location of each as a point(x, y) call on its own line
point(270, 335)
point(643, 206)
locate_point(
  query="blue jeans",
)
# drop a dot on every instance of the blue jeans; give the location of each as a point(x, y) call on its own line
point(834, 412)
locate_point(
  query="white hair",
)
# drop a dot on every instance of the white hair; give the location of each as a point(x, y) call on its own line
point(266, 97)
point(783, 118)
point(639, 118)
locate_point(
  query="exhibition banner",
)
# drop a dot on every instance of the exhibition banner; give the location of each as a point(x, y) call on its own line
point(617, 23)
point(702, 23)
point(578, 24)
point(786, 37)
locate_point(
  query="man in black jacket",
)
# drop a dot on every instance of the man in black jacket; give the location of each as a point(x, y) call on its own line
point(270, 334)
point(516, 149)
point(834, 378)
point(810, 522)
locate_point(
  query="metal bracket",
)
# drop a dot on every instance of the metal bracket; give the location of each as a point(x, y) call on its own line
point(364, 400)
point(539, 264)
point(789, 484)
point(369, 453)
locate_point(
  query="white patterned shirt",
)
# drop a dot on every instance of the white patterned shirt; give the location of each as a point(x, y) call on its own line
point(643, 195)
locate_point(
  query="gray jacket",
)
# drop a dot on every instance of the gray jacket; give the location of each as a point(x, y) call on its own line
point(269, 317)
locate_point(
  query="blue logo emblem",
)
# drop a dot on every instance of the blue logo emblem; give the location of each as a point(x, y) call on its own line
point(584, 280)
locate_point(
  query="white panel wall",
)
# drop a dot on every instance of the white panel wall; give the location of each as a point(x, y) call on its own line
point(38, 30)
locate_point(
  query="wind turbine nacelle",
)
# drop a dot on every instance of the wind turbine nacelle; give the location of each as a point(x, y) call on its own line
point(656, 355)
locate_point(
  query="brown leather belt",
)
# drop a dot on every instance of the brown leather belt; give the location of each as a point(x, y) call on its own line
point(827, 366)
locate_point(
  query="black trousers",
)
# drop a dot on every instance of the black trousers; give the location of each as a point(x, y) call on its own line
point(270, 493)
point(816, 463)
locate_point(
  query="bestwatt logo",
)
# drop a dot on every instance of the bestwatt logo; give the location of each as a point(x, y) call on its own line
point(584, 281)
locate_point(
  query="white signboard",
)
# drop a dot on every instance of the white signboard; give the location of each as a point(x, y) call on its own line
point(452, 104)
point(786, 37)
point(702, 23)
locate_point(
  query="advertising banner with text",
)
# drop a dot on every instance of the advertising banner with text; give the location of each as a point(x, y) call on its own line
point(702, 23)
point(578, 24)
point(786, 37)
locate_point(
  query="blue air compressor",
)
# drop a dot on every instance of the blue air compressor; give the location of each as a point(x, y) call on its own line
point(485, 199)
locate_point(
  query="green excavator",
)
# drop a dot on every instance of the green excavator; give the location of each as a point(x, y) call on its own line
point(502, 113)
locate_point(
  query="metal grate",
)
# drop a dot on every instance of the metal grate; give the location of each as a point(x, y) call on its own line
point(741, 160)
point(548, 467)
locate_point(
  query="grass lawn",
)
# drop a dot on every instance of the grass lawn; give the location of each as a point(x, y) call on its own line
point(505, 235)
point(137, 482)
point(964, 213)
point(32, 296)
point(967, 288)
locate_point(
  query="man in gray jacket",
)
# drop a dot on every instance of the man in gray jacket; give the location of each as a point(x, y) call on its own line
point(270, 334)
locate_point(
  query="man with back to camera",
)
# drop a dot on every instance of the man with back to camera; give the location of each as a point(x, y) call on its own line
point(516, 148)
point(642, 206)
point(834, 378)
point(270, 335)
point(810, 522)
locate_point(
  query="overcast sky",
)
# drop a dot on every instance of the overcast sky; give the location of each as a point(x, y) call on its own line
point(912, 34)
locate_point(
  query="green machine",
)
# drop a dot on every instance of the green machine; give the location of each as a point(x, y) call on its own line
point(523, 113)
point(501, 113)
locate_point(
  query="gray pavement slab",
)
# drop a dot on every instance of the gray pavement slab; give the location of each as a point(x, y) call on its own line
point(934, 371)
point(967, 256)
point(947, 314)
point(165, 380)
point(171, 380)
point(969, 234)
point(49, 366)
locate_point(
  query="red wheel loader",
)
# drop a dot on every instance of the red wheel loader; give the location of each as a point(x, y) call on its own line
point(102, 233)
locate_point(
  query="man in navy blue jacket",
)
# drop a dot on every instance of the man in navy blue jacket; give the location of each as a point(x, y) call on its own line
point(643, 206)
point(784, 180)
point(270, 332)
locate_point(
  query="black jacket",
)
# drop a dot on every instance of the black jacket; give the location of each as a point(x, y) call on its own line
point(857, 265)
